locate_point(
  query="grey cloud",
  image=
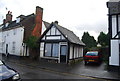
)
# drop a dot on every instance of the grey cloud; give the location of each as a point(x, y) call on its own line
point(97, 27)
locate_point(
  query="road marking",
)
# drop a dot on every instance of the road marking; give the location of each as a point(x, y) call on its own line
point(63, 73)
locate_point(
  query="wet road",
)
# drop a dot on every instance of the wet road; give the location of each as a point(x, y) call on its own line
point(28, 72)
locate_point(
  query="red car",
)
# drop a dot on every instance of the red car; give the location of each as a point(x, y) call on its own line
point(92, 56)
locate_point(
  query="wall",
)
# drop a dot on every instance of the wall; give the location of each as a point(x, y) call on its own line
point(114, 58)
point(75, 52)
point(43, 28)
point(10, 36)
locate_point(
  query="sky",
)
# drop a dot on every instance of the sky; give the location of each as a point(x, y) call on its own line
point(78, 16)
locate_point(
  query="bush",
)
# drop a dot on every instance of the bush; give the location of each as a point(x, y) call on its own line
point(31, 42)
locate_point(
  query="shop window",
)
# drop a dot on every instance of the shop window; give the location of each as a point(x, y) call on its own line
point(52, 49)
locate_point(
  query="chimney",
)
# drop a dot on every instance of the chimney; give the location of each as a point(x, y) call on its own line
point(38, 22)
point(9, 17)
point(56, 22)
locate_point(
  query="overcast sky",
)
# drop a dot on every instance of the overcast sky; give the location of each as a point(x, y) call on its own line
point(76, 15)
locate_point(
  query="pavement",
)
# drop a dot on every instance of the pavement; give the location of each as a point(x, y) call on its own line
point(91, 70)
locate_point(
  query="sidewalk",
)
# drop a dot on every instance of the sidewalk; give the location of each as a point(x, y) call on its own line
point(77, 69)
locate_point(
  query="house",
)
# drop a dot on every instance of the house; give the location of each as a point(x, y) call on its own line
point(60, 44)
point(114, 32)
point(13, 34)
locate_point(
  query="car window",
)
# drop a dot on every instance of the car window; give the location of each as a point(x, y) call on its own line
point(1, 63)
point(92, 54)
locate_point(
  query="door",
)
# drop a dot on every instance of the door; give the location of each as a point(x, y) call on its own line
point(6, 48)
point(63, 53)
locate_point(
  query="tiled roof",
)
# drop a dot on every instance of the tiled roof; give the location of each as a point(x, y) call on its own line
point(13, 24)
point(69, 34)
point(23, 19)
point(113, 0)
point(46, 24)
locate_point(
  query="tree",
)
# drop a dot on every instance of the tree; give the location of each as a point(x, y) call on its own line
point(89, 40)
point(103, 39)
point(32, 42)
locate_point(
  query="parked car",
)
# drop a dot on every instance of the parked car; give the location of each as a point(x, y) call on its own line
point(92, 56)
point(7, 73)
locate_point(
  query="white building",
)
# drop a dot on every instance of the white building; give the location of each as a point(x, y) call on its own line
point(12, 40)
point(14, 33)
point(60, 44)
point(114, 31)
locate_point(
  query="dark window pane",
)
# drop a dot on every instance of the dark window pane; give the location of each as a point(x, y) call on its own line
point(48, 50)
point(55, 51)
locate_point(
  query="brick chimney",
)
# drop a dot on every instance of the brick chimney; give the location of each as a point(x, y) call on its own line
point(38, 22)
point(9, 17)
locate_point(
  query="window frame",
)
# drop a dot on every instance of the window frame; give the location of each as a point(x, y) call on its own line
point(51, 52)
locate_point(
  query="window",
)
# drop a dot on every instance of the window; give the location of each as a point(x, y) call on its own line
point(13, 47)
point(52, 49)
point(63, 50)
point(14, 32)
point(55, 51)
point(48, 49)
point(92, 54)
point(1, 47)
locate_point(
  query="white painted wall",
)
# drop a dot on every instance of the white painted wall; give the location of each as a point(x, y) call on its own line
point(81, 52)
point(78, 52)
point(119, 23)
point(41, 49)
point(71, 52)
point(114, 28)
point(114, 58)
point(52, 33)
point(9, 37)
point(43, 27)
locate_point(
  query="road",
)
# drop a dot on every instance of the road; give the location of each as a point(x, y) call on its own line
point(29, 72)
